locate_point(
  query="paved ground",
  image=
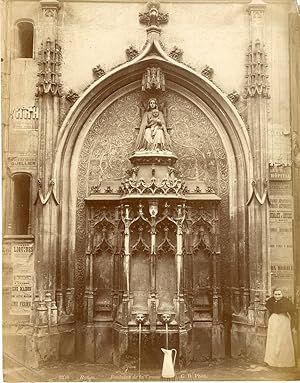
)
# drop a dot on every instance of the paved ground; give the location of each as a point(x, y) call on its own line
point(84, 372)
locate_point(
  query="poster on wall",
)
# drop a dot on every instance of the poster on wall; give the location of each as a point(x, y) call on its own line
point(282, 276)
point(281, 237)
point(22, 283)
point(24, 117)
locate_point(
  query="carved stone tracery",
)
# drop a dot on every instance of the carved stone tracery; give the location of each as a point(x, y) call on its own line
point(166, 186)
point(256, 77)
point(48, 12)
point(112, 133)
point(50, 9)
point(153, 78)
point(49, 63)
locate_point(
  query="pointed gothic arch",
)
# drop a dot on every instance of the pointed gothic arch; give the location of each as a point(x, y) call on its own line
point(126, 78)
point(205, 96)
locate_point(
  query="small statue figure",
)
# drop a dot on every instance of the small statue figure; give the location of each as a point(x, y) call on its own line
point(153, 135)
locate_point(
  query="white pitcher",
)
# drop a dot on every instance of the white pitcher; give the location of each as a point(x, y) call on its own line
point(168, 363)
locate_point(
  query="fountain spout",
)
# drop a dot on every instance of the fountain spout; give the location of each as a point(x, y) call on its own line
point(139, 320)
point(166, 318)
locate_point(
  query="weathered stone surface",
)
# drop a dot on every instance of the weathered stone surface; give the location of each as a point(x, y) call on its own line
point(177, 238)
point(67, 345)
point(103, 345)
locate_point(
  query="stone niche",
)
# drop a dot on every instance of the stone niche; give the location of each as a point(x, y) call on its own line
point(148, 254)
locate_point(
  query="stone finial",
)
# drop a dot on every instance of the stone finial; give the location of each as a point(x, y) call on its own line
point(207, 72)
point(98, 71)
point(72, 96)
point(153, 17)
point(131, 53)
point(153, 78)
point(233, 96)
point(176, 54)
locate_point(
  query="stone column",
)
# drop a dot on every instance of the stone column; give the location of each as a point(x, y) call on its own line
point(152, 303)
point(89, 339)
point(48, 93)
point(179, 249)
point(126, 250)
point(89, 291)
point(218, 336)
point(189, 259)
point(116, 262)
point(257, 94)
point(126, 267)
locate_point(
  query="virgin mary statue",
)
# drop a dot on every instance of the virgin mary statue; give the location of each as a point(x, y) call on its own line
point(153, 135)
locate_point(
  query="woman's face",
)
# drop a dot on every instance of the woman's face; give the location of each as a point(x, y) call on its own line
point(152, 104)
point(277, 295)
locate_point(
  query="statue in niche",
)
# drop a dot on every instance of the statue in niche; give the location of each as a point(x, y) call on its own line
point(153, 134)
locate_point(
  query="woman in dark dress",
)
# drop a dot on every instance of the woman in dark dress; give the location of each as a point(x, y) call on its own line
point(279, 347)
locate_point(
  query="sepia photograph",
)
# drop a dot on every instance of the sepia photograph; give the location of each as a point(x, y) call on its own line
point(150, 190)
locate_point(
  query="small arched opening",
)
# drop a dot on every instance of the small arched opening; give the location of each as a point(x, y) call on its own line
point(24, 39)
point(21, 204)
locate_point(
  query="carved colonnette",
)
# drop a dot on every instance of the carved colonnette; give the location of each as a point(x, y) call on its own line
point(47, 306)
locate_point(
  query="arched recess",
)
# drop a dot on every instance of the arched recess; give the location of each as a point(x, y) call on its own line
point(24, 32)
point(198, 90)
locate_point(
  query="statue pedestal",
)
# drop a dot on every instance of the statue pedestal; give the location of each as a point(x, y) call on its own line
point(153, 157)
